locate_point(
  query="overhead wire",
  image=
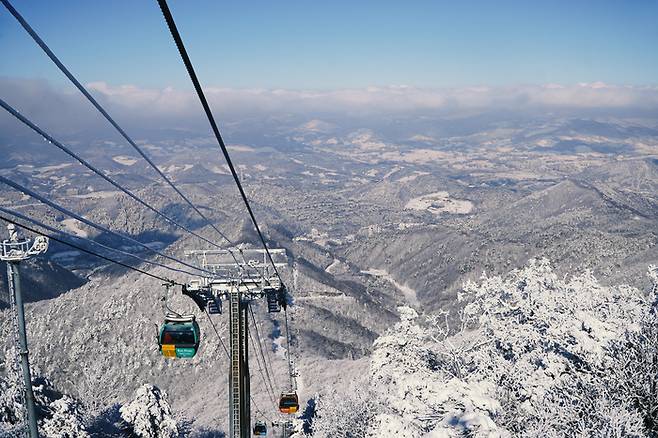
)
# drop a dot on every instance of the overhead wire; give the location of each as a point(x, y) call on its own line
point(67, 212)
point(191, 72)
point(289, 351)
point(105, 114)
point(221, 341)
point(262, 355)
point(267, 349)
point(264, 376)
point(258, 409)
point(197, 86)
point(79, 248)
point(98, 172)
point(89, 241)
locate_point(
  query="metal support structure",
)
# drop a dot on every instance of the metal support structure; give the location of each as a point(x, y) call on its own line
point(245, 397)
point(13, 252)
point(291, 366)
point(235, 381)
point(239, 378)
point(238, 280)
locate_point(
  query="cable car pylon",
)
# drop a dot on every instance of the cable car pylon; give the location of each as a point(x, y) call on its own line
point(15, 250)
point(239, 283)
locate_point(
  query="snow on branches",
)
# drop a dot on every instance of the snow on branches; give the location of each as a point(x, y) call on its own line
point(149, 414)
point(533, 355)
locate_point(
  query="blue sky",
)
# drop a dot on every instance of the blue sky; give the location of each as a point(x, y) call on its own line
point(339, 44)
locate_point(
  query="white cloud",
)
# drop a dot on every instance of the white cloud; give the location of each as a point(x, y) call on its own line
point(392, 98)
point(180, 108)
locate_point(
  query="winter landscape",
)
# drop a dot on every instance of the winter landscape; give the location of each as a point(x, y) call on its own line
point(461, 261)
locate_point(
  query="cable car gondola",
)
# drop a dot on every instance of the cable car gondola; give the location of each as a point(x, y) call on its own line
point(289, 403)
point(179, 336)
point(260, 429)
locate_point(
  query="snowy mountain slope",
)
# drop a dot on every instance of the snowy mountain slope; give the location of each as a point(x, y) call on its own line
point(45, 279)
point(568, 222)
point(536, 355)
point(98, 342)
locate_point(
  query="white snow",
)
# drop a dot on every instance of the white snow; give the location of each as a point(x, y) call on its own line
point(178, 168)
point(124, 160)
point(531, 353)
point(408, 292)
point(55, 167)
point(334, 265)
point(440, 202)
point(149, 414)
point(101, 194)
point(240, 148)
point(74, 226)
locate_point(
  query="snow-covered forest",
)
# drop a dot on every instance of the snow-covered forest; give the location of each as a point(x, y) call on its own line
point(529, 355)
point(61, 416)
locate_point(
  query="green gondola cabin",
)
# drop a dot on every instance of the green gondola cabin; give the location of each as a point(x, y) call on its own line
point(179, 337)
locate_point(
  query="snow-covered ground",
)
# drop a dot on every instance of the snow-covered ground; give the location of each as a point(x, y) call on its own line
point(178, 168)
point(534, 354)
point(124, 160)
point(74, 226)
point(54, 167)
point(334, 265)
point(409, 293)
point(440, 202)
point(100, 194)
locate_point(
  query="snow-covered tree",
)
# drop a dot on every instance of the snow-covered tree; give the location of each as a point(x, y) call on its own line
point(11, 387)
point(60, 416)
point(66, 420)
point(149, 414)
point(533, 355)
point(349, 416)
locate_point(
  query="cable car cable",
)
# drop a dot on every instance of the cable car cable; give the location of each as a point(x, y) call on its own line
point(41, 233)
point(259, 411)
point(100, 109)
point(197, 86)
point(267, 350)
point(221, 341)
point(260, 371)
point(288, 351)
point(98, 172)
point(262, 355)
point(87, 240)
point(265, 376)
point(63, 210)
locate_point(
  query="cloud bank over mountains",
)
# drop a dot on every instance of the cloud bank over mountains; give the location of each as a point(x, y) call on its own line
point(65, 110)
point(388, 99)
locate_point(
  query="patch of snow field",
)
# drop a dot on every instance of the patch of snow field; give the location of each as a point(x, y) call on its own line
point(440, 202)
point(73, 226)
point(409, 293)
point(124, 160)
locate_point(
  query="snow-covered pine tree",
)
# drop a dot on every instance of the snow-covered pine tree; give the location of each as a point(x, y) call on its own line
point(348, 416)
point(149, 415)
point(66, 420)
point(11, 386)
